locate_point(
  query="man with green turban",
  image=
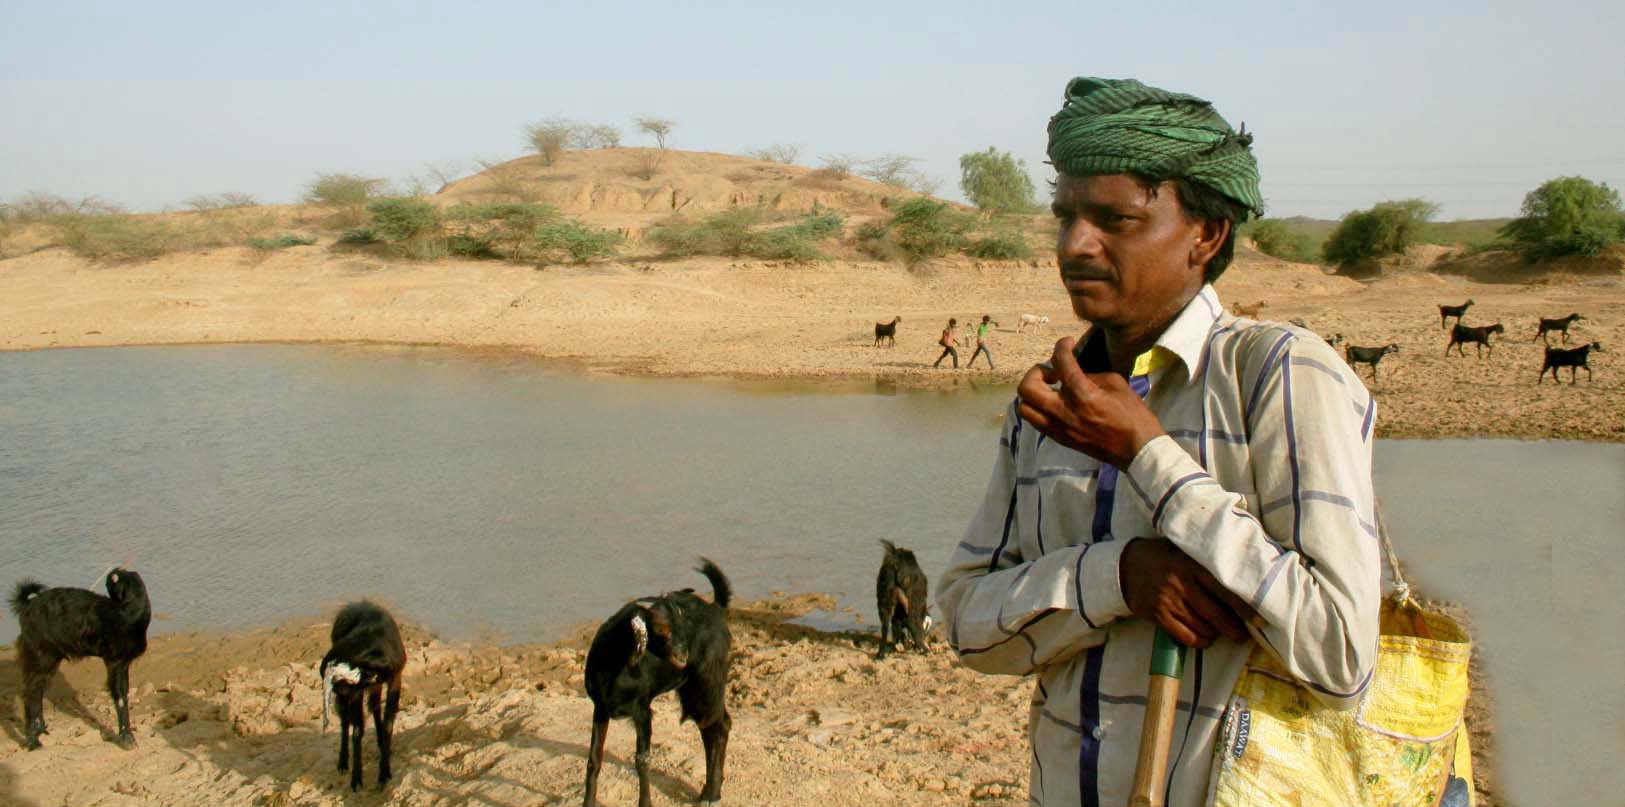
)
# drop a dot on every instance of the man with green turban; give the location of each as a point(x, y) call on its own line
point(1177, 468)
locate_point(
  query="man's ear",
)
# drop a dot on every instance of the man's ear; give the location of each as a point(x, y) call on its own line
point(1210, 236)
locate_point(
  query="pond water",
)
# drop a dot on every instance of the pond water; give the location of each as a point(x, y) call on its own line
point(502, 497)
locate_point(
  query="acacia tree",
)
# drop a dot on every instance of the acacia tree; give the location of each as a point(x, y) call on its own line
point(1567, 216)
point(549, 138)
point(346, 194)
point(660, 128)
point(996, 181)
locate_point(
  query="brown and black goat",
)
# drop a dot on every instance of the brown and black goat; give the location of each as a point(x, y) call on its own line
point(1560, 324)
point(1480, 336)
point(1448, 311)
point(367, 658)
point(60, 624)
point(654, 645)
point(1572, 358)
point(887, 331)
point(901, 600)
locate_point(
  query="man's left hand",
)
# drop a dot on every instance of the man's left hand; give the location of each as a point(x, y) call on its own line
point(1096, 413)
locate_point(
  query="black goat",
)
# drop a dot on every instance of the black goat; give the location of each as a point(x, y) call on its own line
point(73, 623)
point(901, 600)
point(1573, 358)
point(1447, 311)
point(1462, 334)
point(367, 657)
point(887, 331)
point(1368, 355)
point(652, 646)
point(1560, 324)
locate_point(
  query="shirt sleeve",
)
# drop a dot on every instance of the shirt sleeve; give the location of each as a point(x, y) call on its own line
point(1308, 562)
point(1011, 615)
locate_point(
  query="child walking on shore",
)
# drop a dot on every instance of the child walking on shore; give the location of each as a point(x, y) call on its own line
point(947, 342)
point(981, 342)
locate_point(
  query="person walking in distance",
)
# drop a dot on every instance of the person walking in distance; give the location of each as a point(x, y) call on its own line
point(947, 342)
point(981, 342)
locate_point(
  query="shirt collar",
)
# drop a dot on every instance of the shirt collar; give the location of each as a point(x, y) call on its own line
point(1181, 344)
point(1186, 336)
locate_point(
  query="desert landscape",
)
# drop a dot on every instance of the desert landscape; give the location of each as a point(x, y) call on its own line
point(235, 718)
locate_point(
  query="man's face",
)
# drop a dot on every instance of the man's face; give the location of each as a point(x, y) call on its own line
point(1125, 254)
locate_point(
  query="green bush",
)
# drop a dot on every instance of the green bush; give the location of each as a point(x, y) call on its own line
point(470, 245)
point(358, 236)
point(576, 241)
point(1276, 239)
point(106, 237)
point(1388, 228)
point(399, 220)
point(736, 233)
point(923, 228)
point(1567, 216)
point(346, 194)
point(996, 181)
point(1005, 245)
point(282, 241)
point(523, 214)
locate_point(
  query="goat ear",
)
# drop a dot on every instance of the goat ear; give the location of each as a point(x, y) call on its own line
point(640, 637)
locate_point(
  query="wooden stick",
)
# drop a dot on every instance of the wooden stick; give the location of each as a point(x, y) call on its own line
point(1157, 734)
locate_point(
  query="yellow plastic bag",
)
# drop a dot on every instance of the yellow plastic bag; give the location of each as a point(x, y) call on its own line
point(1404, 745)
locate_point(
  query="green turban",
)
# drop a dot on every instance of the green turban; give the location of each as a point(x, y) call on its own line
point(1114, 126)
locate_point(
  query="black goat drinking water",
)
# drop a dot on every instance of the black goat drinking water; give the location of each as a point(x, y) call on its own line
point(1447, 311)
point(1573, 358)
point(652, 646)
point(72, 623)
point(901, 600)
point(1368, 355)
point(367, 657)
point(1560, 324)
point(887, 331)
point(1462, 334)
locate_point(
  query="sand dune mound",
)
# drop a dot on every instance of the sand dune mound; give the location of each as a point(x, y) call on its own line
point(614, 187)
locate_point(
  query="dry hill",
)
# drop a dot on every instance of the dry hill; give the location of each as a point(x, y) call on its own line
point(612, 187)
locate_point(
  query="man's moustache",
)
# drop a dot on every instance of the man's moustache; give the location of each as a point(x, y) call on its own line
point(1076, 272)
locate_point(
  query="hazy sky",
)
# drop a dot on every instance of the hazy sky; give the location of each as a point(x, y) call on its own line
point(150, 103)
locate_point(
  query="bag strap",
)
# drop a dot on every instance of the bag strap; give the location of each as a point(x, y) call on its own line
point(1402, 587)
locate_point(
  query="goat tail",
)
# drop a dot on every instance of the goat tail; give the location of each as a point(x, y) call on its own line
point(24, 592)
point(721, 591)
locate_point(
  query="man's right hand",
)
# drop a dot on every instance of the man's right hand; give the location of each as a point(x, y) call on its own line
point(1163, 584)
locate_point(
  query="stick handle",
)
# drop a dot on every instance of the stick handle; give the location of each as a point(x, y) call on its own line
point(1157, 734)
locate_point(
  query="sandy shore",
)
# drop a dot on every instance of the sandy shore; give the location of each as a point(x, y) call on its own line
point(235, 719)
point(755, 320)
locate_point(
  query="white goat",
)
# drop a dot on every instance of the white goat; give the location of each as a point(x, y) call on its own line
point(1031, 319)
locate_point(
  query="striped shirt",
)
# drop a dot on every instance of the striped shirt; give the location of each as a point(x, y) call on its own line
point(1264, 478)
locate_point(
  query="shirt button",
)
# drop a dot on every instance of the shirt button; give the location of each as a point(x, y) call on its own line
point(1099, 732)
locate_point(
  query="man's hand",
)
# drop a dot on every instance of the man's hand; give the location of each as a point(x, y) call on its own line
point(1095, 413)
point(1163, 584)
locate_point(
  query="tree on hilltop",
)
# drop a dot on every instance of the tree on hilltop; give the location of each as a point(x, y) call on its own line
point(549, 138)
point(996, 181)
point(1567, 216)
point(660, 128)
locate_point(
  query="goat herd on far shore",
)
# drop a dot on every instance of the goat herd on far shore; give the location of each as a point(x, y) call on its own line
point(652, 645)
point(1460, 335)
